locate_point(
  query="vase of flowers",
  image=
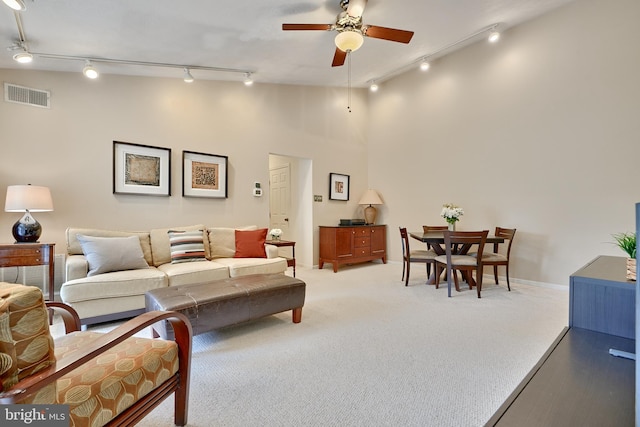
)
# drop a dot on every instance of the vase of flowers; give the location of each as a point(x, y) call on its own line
point(627, 242)
point(275, 233)
point(451, 213)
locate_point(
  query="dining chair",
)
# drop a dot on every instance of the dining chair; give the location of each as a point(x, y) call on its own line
point(496, 258)
point(408, 256)
point(457, 257)
point(428, 228)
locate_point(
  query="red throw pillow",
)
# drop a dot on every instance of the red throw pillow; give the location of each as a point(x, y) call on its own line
point(250, 244)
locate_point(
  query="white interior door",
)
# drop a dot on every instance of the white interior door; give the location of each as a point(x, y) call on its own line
point(280, 198)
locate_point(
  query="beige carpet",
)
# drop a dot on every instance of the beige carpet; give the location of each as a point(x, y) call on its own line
point(372, 352)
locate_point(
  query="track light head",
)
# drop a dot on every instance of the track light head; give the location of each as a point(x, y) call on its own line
point(89, 71)
point(248, 81)
point(15, 4)
point(188, 78)
point(494, 36)
point(373, 87)
point(23, 57)
point(424, 65)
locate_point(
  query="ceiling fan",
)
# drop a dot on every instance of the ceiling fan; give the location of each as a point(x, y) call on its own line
point(351, 31)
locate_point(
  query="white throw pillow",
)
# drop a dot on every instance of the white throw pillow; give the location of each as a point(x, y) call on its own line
point(106, 254)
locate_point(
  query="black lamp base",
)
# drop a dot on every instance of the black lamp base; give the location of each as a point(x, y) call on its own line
point(26, 229)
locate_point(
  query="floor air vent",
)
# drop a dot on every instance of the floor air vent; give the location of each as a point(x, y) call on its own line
point(27, 96)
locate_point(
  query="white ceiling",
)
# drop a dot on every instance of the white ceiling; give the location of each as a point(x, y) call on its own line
point(246, 35)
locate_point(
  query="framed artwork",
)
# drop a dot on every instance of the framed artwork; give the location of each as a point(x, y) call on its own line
point(141, 169)
point(338, 186)
point(204, 175)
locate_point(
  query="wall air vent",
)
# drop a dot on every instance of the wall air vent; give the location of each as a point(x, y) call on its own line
point(27, 96)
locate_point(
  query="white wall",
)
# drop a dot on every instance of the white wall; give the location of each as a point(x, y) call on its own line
point(69, 147)
point(538, 132)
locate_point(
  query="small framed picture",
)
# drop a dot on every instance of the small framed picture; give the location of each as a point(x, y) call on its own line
point(338, 186)
point(204, 175)
point(141, 169)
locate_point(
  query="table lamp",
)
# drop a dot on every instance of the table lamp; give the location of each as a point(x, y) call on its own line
point(370, 198)
point(27, 199)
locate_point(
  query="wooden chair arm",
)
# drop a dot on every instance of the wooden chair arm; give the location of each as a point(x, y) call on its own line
point(69, 315)
point(182, 331)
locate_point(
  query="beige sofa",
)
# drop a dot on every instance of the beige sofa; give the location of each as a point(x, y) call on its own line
point(116, 294)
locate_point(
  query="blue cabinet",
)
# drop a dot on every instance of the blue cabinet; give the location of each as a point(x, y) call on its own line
point(601, 299)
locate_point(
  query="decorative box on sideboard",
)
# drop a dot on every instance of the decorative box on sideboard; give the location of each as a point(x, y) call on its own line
point(352, 244)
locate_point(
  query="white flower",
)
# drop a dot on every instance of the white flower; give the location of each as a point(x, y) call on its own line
point(451, 212)
point(275, 232)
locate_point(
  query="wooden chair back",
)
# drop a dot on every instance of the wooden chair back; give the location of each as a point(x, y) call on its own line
point(507, 234)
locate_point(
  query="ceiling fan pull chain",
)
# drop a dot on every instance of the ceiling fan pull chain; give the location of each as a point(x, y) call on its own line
point(349, 81)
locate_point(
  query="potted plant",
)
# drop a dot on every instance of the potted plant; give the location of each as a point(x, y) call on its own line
point(627, 242)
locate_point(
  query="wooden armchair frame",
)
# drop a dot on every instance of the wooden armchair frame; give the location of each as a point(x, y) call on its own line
point(178, 383)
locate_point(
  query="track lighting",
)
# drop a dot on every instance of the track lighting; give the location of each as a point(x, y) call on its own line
point(373, 87)
point(188, 78)
point(15, 4)
point(23, 57)
point(424, 65)
point(247, 79)
point(89, 71)
point(494, 37)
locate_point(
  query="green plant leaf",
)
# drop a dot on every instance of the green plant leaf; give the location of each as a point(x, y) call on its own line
point(626, 242)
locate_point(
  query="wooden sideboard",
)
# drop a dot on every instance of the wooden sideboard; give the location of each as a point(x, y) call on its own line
point(352, 244)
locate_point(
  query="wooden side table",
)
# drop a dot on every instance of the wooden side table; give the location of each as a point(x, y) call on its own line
point(30, 254)
point(291, 262)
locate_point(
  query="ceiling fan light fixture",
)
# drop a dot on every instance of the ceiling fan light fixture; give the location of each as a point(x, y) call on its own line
point(90, 71)
point(494, 37)
point(15, 4)
point(187, 77)
point(349, 40)
point(23, 57)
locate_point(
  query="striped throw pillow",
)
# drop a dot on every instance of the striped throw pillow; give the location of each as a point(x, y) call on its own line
point(186, 246)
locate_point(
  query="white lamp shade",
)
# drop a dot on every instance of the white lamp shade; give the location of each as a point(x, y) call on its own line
point(370, 197)
point(349, 40)
point(33, 198)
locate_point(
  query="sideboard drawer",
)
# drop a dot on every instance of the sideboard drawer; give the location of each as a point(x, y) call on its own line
point(362, 242)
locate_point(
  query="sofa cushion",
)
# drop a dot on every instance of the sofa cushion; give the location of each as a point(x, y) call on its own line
point(194, 272)
point(74, 248)
point(106, 386)
point(26, 346)
point(250, 244)
point(223, 240)
point(112, 285)
point(245, 266)
point(106, 254)
point(186, 246)
point(162, 248)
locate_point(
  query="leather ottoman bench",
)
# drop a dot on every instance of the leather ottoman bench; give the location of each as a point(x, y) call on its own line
point(219, 303)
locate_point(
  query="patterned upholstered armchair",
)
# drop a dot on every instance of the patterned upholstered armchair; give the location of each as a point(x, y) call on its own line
point(106, 379)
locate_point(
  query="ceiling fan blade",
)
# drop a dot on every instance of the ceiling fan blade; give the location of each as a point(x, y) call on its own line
point(356, 7)
point(338, 58)
point(322, 27)
point(390, 34)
